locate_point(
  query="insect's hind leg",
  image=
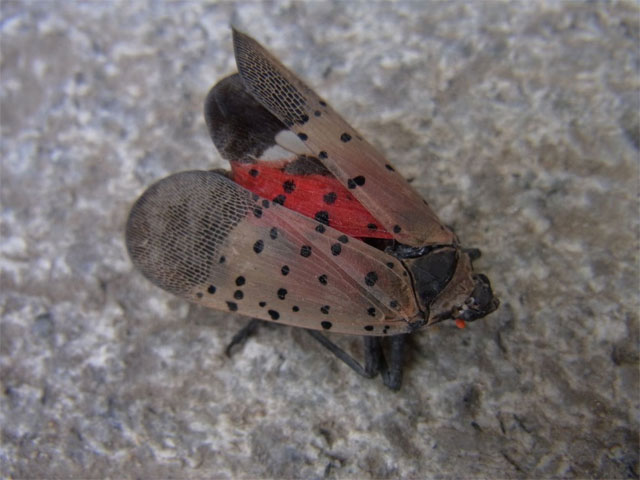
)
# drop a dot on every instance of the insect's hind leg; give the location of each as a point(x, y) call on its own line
point(242, 335)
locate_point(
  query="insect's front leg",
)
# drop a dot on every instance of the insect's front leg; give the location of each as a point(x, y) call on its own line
point(392, 373)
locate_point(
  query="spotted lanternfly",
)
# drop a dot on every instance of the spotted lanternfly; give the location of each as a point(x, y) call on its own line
point(311, 228)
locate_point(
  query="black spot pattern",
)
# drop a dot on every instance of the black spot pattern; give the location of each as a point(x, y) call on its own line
point(273, 233)
point(295, 308)
point(257, 212)
point(258, 246)
point(345, 137)
point(325, 309)
point(265, 203)
point(385, 329)
point(222, 259)
point(323, 103)
point(240, 281)
point(371, 278)
point(371, 311)
point(322, 155)
point(255, 197)
point(317, 113)
point(238, 295)
point(322, 279)
point(343, 239)
point(390, 168)
point(372, 226)
point(233, 306)
point(303, 136)
point(359, 180)
point(280, 199)
point(326, 325)
point(393, 304)
point(330, 198)
point(336, 248)
point(304, 119)
point(199, 294)
point(390, 264)
point(273, 314)
point(285, 270)
point(397, 229)
point(322, 216)
point(369, 328)
point(253, 172)
point(305, 251)
point(211, 289)
point(282, 292)
point(289, 186)
point(263, 304)
point(320, 228)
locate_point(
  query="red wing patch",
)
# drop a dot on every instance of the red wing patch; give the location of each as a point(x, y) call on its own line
point(320, 197)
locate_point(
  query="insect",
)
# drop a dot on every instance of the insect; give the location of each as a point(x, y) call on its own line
point(311, 228)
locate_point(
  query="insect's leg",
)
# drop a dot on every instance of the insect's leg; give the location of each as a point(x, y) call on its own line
point(392, 374)
point(373, 355)
point(242, 335)
point(367, 371)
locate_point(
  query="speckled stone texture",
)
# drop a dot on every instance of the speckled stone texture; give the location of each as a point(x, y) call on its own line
point(517, 121)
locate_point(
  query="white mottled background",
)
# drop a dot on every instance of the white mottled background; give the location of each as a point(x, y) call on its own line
point(518, 121)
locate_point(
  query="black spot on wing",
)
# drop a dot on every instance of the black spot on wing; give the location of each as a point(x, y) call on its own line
point(232, 306)
point(330, 198)
point(289, 186)
point(322, 216)
point(370, 279)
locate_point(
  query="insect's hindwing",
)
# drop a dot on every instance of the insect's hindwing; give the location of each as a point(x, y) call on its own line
point(201, 236)
point(373, 181)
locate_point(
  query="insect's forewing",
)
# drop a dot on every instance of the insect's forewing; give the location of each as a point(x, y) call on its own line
point(203, 237)
point(373, 181)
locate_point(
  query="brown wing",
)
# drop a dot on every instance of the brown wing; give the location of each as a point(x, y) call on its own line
point(372, 179)
point(201, 236)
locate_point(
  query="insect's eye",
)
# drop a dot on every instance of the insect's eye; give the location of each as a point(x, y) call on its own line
point(432, 273)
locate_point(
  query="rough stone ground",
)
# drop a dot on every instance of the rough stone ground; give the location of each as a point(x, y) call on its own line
point(519, 122)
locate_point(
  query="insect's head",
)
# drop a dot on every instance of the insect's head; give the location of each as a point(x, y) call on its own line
point(446, 287)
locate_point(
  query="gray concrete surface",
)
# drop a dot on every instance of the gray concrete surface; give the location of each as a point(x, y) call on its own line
point(518, 121)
